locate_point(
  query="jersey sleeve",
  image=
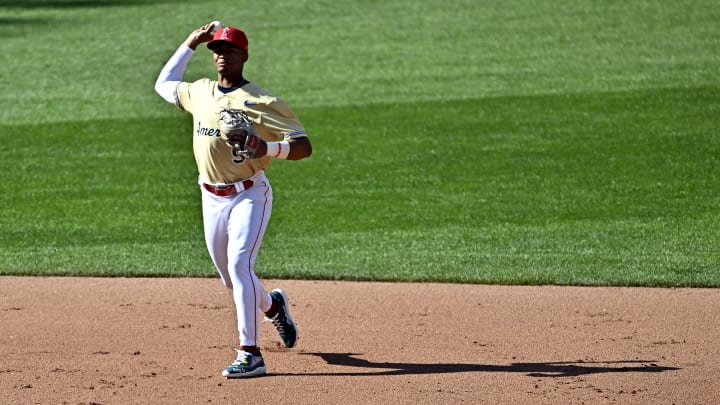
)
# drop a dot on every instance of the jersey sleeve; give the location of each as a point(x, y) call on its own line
point(189, 95)
point(282, 121)
point(182, 97)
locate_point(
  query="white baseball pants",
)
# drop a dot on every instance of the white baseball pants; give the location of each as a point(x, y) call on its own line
point(234, 229)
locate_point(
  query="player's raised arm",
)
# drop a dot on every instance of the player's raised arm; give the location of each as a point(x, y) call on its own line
point(201, 35)
point(172, 73)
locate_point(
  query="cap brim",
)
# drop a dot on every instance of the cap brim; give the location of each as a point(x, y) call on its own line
point(216, 42)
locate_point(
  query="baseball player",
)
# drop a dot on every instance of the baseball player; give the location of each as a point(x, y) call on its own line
point(238, 128)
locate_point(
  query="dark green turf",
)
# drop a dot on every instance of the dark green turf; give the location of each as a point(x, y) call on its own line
point(616, 188)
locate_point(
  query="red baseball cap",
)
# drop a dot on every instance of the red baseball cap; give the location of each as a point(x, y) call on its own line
point(230, 35)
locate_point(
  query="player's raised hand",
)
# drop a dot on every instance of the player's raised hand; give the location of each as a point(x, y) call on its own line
point(201, 35)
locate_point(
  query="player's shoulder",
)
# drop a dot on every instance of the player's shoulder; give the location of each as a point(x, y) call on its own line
point(204, 83)
point(200, 85)
point(254, 92)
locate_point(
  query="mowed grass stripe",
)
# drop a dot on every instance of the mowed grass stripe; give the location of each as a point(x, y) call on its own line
point(600, 188)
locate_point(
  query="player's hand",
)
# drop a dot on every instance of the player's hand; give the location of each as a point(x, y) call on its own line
point(200, 35)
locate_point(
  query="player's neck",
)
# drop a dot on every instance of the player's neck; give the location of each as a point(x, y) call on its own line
point(231, 82)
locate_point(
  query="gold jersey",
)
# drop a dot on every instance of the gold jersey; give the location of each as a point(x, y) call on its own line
point(271, 117)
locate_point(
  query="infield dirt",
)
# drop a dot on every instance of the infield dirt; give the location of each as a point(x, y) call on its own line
point(160, 341)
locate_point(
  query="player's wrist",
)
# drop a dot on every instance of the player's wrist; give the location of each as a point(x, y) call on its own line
point(279, 150)
point(192, 43)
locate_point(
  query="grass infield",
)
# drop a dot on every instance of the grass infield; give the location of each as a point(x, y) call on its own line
point(523, 143)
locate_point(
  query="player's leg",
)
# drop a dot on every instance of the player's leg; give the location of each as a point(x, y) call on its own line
point(246, 228)
point(247, 224)
point(215, 212)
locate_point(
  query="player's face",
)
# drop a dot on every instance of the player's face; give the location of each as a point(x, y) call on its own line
point(228, 59)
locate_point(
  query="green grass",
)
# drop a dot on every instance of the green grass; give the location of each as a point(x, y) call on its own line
point(462, 141)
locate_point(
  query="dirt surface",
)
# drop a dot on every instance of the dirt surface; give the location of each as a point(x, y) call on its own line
point(119, 341)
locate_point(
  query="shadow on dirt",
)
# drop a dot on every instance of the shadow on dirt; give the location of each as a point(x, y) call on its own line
point(549, 369)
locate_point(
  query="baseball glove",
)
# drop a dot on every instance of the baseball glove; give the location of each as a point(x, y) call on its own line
point(237, 131)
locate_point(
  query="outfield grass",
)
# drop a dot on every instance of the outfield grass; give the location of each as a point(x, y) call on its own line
point(523, 143)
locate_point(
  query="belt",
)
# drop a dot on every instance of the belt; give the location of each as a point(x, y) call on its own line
point(227, 190)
